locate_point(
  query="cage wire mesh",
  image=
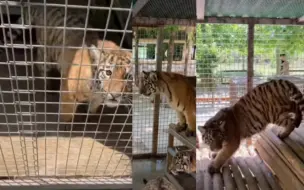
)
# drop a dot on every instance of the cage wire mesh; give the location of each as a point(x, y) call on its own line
point(183, 62)
point(222, 62)
point(34, 141)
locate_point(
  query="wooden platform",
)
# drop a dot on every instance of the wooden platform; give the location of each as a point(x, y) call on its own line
point(284, 157)
point(243, 171)
point(183, 181)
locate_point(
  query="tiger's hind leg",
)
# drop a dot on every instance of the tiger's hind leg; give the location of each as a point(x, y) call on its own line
point(182, 124)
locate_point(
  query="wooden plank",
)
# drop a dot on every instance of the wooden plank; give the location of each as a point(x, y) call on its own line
point(296, 147)
point(257, 171)
point(229, 183)
point(297, 138)
point(188, 141)
point(251, 182)
point(218, 182)
point(237, 175)
point(172, 179)
point(207, 179)
point(286, 177)
point(272, 181)
point(282, 150)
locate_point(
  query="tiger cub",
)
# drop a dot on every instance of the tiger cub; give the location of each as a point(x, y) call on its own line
point(179, 92)
point(278, 102)
point(111, 87)
point(157, 184)
point(78, 67)
point(183, 161)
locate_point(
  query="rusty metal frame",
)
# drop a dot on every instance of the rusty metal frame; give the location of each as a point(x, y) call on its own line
point(247, 20)
point(155, 22)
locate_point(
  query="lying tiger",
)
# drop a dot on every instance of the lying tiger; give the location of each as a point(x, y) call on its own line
point(179, 93)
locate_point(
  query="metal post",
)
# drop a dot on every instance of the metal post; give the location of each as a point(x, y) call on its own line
point(136, 62)
point(159, 60)
point(250, 60)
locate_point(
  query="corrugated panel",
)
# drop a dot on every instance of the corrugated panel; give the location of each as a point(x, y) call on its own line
point(255, 8)
point(177, 9)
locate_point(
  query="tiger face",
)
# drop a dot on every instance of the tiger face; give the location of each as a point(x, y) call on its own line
point(213, 132)
point(112, 73)
point(148, 83)
point(183, 161)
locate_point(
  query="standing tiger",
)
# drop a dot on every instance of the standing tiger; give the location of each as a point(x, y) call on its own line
point(179, 93)
point(111, 65)
point(278, 102)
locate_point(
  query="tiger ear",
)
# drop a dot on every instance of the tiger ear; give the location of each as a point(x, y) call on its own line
point(153, 76)
point(95, 53)
point(107, 44)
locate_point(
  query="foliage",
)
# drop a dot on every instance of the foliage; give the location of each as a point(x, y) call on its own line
point(227, 43)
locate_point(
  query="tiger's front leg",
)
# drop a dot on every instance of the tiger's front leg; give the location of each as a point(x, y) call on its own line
point(288, 121)
point(223, 155)
point(181, 125)
point(191, 127)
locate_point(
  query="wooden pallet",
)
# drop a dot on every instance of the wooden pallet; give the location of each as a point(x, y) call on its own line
point(187, 141)
point(242, 172)
point(284, 157)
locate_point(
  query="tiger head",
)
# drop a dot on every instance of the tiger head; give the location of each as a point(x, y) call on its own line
point(112, 73)
point(213, 132)
point(148, 83)
point(183, 161)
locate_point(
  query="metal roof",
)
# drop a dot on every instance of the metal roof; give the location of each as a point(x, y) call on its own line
point(255, 8)
point(175, 9)
point(157, 10)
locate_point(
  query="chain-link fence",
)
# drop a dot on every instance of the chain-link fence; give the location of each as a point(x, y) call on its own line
point(222, 67)
point(178, 55)
point(66, 109)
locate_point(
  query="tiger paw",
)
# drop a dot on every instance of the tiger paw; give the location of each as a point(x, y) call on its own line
point(190, 133)
point(212, 170)
point(181, 127)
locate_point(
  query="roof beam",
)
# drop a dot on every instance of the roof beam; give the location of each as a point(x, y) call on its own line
point(200, 10)
point(138, 6)
point(154, 22)
point(245, 20)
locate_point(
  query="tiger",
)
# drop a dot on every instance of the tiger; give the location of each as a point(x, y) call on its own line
point(179, 92)
point(183, 161)
point(158, 183)
point(111, 65)
point(277, 102)
point(113, 86)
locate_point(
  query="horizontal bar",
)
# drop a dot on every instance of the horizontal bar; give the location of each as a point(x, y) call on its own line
point(153, 22)
point(241, 20)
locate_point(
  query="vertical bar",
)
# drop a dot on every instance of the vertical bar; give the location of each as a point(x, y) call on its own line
point(169, 156)
point(250, 60)
point(136, 55)
point(159, 60)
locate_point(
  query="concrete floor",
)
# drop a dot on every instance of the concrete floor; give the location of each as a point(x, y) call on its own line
point(146, 168)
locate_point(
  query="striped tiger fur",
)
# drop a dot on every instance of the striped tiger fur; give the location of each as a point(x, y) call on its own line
point(278, 102)
point(179, 92)
point(111, 65)
point(183, 161)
